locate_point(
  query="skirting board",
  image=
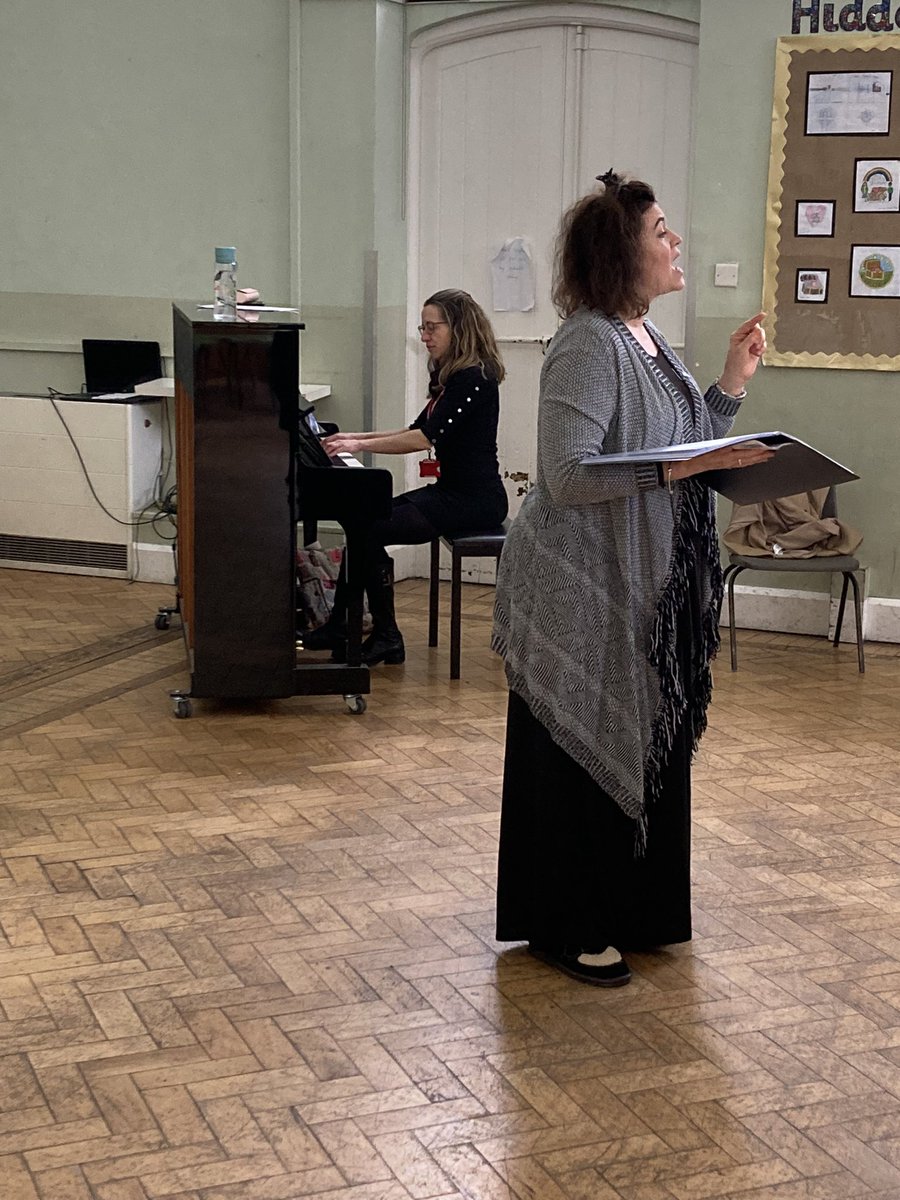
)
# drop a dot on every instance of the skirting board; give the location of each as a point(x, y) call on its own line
point(414, 562)
point(781, 610)
point(155, 564)
point(784, 610)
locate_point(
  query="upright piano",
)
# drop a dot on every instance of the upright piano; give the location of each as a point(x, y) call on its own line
point(243, 486)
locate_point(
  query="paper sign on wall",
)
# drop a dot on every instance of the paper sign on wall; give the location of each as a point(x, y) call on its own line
point(512, 273)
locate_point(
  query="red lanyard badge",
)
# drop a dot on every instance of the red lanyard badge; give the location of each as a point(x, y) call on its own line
point(430, 468)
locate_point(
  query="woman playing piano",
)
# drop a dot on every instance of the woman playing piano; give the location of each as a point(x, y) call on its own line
point(457, 429)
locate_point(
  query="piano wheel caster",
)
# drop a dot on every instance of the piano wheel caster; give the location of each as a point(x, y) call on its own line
point(183, 709)
point(162, 620)
point(356, 704)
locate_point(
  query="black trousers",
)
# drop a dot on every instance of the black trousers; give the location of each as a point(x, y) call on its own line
point(406, 526)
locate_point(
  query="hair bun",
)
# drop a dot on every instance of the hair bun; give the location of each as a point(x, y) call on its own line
point(610, 179)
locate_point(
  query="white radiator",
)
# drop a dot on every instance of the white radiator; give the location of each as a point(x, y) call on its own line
point(49, 521)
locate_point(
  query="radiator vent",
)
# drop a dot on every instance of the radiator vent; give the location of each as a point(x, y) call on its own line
point(104, 556)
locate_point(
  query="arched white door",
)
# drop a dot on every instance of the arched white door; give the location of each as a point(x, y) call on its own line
point(513, 114)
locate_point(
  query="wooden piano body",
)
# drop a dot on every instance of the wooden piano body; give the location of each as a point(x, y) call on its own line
point(240, 496)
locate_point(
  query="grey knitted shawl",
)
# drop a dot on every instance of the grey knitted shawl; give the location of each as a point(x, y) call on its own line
point(596, 562)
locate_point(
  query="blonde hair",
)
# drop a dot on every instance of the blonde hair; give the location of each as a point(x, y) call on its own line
point(472, 341)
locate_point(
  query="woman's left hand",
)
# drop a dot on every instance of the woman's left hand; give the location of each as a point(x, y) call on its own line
point(746, 346)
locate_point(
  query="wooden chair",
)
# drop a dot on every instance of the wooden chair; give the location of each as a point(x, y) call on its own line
point(847, 564)
point(487, 543)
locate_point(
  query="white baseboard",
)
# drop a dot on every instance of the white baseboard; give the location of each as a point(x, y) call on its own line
point(414, 562)
point(155, 564)
point(410, 562)
point(784, 610)
point(882, 620)
point(779, 610)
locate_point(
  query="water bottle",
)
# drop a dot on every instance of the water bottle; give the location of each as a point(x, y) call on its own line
point(225, 284)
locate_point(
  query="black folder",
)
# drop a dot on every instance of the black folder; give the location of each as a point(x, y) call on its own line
point(795, 467)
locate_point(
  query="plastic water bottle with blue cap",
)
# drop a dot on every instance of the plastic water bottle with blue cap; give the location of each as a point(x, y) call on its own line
point(225, 284)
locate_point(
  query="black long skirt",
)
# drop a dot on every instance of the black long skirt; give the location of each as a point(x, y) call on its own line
point(569, 871)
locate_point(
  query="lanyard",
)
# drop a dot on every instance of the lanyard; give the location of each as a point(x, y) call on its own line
point(432, 402)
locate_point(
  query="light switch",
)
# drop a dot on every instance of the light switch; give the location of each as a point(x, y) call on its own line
point(726, 275)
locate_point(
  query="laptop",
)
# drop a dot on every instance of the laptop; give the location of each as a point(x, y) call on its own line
point(116, 365)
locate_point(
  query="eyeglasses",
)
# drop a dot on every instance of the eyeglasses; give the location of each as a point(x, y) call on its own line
point(430, 326)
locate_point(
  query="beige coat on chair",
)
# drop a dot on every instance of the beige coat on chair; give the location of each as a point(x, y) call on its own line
point(790, 527)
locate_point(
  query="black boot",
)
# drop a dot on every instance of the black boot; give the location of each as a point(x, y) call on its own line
point(333, 634)
point(385, 642)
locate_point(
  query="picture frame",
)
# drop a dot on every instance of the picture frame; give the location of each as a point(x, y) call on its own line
point(811, 285)
point(814, 218)
point(876, 185)
point(848, 103)
point(875, 272)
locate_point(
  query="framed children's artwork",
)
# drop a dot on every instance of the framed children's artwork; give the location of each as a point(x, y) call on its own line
point(875, 272)
point(812, 285)
point(814, 218)
point(832, 247)
point(875, 185)
point(848, 102)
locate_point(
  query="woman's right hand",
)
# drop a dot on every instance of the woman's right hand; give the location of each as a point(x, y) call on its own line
point(725, 458)
point(343, 443)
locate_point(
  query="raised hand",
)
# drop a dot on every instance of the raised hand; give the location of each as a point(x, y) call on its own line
point(746, 346)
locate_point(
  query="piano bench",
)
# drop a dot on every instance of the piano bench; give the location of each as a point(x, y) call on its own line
point(487, 543)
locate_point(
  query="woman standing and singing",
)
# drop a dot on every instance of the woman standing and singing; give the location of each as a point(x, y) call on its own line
point(607, 605)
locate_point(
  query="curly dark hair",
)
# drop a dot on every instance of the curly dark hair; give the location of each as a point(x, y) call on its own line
point(598, 250)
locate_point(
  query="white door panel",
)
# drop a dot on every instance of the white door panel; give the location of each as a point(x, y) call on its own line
point(508, 129)
point(492, 153)
point(636, 117)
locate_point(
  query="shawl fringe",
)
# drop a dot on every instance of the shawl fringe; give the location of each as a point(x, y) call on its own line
point(682, 699)
point(583, 755)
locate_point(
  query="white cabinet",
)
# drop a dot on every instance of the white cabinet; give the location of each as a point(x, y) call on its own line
point(49, 519)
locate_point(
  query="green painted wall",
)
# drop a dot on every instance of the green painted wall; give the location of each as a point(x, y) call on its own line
point(851, 415)
point(353, 236)
point(118, 117)
point(137, 136)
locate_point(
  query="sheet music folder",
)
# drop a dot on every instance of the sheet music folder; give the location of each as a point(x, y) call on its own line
point(795, 467)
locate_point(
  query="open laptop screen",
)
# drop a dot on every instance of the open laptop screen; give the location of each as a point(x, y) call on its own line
point(117, 365)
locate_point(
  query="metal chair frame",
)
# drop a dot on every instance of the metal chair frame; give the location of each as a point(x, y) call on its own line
point(485, 544)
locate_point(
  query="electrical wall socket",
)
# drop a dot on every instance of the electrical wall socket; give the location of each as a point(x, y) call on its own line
point(726, 275)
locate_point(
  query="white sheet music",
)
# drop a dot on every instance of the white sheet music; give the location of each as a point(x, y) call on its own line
point(677, 453)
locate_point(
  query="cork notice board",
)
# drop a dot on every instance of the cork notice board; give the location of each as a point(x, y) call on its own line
point(831, 282)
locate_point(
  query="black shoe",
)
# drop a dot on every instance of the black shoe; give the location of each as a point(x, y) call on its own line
point(384, 647)
point(602, 968)
point(327, 637)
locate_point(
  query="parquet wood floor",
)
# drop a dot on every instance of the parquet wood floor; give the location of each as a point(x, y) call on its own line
point(249, 956)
